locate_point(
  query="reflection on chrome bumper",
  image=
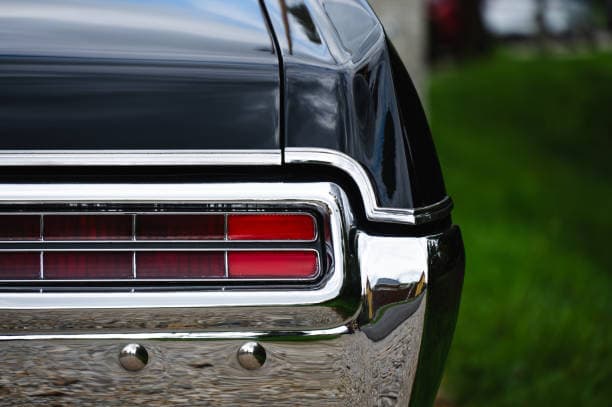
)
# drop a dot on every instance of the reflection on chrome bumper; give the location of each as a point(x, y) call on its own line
point(337, 370)
point(390, 328)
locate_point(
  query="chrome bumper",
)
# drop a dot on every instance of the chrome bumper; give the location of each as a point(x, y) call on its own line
point(381, 341)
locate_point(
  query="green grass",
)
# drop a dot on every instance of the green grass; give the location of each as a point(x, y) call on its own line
point(526, 148)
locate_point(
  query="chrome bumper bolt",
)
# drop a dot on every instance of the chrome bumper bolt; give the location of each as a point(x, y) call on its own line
point(251, 355)
point(133, 357)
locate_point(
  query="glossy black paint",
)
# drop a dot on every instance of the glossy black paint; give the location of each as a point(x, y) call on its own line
point(163, 74)
point(427, 182)
point(131, 74)
point(446, 273)
point(346, 89)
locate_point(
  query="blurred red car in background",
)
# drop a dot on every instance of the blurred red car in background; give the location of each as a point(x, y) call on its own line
point(445, 26)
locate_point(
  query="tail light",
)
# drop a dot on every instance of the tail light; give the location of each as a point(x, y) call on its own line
point(180, 227)
point(19, 227)
point(271, 227)
point(290, 264)
point(19, 266)
point(121, 247)
point(83, 227)
point(180, 265)
point(86, 265)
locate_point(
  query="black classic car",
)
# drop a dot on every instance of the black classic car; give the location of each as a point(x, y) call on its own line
point(217, 203)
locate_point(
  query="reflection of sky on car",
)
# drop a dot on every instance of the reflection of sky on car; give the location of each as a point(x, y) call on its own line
point(518, 17)
point(305, 38)
point(148, 29)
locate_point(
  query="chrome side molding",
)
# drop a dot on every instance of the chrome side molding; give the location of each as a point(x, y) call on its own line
point(139, 157)
point(292, 155)
point(192, 336)
point(375, 213)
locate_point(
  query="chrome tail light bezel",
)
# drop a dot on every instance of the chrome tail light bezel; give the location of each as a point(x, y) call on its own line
point(135, 246)
point(324, 201)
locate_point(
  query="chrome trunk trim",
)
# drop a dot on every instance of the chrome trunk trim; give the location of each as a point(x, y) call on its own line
point(292, 155)
point(138, 157)
point(374, 212)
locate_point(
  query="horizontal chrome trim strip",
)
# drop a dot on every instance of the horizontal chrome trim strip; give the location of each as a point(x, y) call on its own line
point(153, 241)
point(255, 193)
point(341, 330)
point(129, 285)
point(375, 213)
point(293, 155)
point(98, 249)
point(139, 157)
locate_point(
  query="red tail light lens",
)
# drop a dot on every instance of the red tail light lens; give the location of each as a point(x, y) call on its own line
point(271, 227)
point(87, 265)
point(273, 264)
point(87, 227)
point(22, 227)
point(180, 265)
point(180, 227)
point(159, 246)
point(19, 266)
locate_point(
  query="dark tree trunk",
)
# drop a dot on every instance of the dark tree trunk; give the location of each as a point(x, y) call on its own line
point(475, 40)
point(540, 14)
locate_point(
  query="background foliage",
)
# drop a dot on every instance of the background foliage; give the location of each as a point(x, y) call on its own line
point(525, 141)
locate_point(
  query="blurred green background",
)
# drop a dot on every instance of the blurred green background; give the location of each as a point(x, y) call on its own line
point(525, 138)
